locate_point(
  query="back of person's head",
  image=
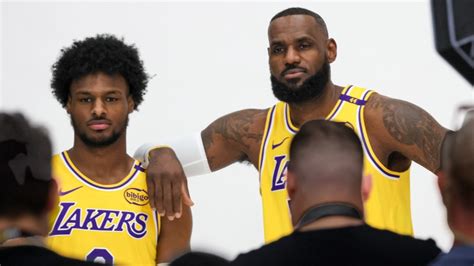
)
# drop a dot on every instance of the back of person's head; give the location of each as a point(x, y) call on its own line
point(196, 258)
point(326, 163)
point(458, 167)
point(25, 168)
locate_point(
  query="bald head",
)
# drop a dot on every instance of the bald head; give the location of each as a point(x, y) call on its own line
point(326, 159)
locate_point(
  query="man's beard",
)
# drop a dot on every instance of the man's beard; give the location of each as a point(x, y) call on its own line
point(311, 88)
point(102, 142)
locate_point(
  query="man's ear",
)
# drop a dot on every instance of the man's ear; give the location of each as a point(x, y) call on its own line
point(441, 180)
point(131, 104)
point(68, 104)
point(366, 187)
point(290, 183)
point(331, 50)
point(53, 197)
point(443, 185)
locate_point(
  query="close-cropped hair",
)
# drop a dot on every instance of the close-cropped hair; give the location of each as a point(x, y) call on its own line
point(335, 137)
point(103, 53)
point(302, 11)
point(461, 164)
point(25, 167)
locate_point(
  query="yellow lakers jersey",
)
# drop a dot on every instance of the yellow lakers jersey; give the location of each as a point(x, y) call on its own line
point(388, 206)
point(104, 223)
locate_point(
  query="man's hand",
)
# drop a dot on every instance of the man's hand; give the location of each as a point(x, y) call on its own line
point(167, 184)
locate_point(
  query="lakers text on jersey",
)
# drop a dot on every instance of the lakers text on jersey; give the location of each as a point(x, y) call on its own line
point(103, 223)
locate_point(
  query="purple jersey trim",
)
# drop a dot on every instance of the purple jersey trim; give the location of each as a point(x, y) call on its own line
point(340, 104)
point(350, 99)
point(78, 175)
point(266, 137)
point(364, 142)
point(287, 119)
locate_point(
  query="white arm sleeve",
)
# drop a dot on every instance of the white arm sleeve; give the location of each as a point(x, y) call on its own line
point(189, 150)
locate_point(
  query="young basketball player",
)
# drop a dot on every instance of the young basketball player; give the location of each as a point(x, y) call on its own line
point(104, 212)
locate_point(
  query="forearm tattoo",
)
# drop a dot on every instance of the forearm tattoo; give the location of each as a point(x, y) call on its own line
point(237, 129)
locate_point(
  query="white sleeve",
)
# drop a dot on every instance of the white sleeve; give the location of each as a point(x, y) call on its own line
point(189, 150)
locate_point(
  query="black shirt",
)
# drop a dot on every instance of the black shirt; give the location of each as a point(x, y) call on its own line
point(355, 245)
point(33, 255)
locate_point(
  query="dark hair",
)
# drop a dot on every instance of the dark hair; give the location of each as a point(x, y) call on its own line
point(25, 167)
point(102, 53)
point(196, 258)
point(302, 11)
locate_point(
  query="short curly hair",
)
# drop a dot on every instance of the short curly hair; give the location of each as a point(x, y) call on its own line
point(102, 53)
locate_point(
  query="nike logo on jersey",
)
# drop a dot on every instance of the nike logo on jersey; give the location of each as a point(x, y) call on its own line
point(274, 146)
point(64, 193)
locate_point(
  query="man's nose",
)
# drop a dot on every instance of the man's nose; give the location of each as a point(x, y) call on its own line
point(99, 109)
point(292, 56)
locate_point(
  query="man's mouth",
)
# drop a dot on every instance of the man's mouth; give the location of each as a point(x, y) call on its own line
point(293, 73)
point(98, 124)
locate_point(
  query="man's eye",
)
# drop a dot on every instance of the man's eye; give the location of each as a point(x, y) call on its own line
point(111, 99)
point(304, 45)
point(277, 50)
point(85, 100)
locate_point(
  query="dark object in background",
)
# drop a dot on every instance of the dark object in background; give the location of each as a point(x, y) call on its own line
point(199, 259)
point(454, 34)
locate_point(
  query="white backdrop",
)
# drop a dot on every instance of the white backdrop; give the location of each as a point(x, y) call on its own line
point(210, 59)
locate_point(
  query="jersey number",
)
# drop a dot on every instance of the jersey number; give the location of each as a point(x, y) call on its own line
point(101, 255)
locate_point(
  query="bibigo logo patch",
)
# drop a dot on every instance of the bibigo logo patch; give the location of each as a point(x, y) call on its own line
point(136, 196)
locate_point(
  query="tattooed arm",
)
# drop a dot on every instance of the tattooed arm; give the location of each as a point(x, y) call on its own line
point(400, 132)
point(234, 137)
point(231, 138)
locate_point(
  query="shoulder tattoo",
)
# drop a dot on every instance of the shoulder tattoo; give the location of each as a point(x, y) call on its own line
point(411, 125)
